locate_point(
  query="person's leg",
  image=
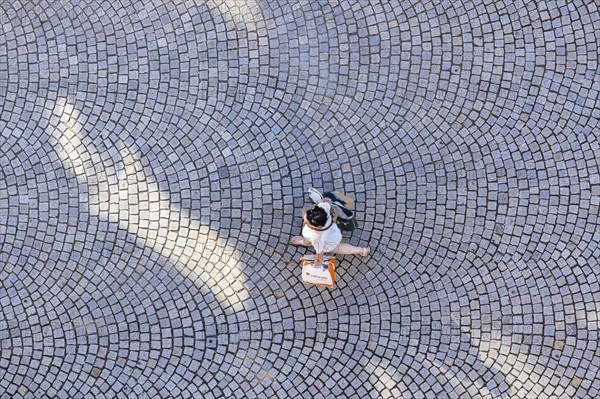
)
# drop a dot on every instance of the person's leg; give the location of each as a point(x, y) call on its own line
point(299, 240)
point(347, 249)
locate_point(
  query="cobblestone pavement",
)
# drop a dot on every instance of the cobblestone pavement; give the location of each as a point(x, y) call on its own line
point(155, 156)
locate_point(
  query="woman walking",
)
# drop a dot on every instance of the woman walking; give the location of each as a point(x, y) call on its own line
point(322, 233)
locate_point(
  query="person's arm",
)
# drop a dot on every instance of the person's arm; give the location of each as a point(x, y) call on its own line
point(318, 258)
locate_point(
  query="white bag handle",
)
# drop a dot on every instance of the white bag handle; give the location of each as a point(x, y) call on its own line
point(315, 195)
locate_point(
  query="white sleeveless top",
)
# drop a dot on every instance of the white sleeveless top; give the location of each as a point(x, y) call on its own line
point(326, 240)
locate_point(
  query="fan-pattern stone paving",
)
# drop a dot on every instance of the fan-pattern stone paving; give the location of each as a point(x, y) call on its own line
point(155, 156)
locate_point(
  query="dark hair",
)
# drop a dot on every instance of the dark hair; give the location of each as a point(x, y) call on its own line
point(317, 216)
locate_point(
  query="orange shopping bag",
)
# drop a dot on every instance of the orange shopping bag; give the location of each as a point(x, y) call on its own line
point(323, 275)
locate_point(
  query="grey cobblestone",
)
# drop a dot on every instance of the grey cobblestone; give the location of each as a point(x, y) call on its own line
point(154, 159)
